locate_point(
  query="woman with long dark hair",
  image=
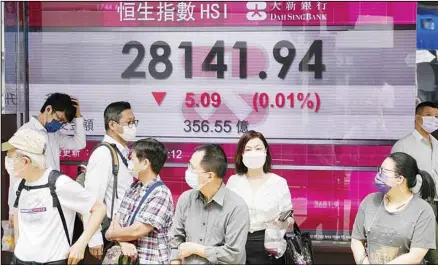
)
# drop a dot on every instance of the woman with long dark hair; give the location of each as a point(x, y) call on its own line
point(394, 225)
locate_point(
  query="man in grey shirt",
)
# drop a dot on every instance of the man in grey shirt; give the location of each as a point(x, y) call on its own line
point(211, 222)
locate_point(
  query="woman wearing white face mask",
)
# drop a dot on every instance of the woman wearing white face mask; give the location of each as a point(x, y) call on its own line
point(266, 194)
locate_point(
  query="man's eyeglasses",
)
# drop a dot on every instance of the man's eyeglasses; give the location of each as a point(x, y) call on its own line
point(131, 123)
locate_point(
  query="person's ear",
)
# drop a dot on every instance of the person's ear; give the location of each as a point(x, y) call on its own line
point(400, 180)
point(113, 125)
point(49, 109)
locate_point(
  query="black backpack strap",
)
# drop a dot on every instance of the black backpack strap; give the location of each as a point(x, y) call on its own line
point(115, 169)
point(124, 160)
point(20, 188)
point(53, 176)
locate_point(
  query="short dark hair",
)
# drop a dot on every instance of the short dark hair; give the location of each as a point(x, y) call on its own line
point(214, 159)
point(238, 157)
point(425, 104)
point(406, 166)
point(152, 150)
point(114, 112)
point(61, 102)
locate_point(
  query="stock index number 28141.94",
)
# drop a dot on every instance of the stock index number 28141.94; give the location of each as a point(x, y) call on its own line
point(134, 70)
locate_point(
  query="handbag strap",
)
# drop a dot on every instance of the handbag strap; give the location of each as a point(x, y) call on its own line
point(297, 229)
point(149, 191)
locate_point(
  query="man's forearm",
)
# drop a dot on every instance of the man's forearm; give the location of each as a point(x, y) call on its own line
point(124, 234)
point(93, 224)
point(130, 233)
point(200, 251)
point(96, 239)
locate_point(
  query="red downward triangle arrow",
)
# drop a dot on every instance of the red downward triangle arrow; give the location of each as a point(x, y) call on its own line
point(159, 97)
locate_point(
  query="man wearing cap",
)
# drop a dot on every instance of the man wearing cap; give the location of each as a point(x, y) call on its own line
point(43, 228)
point(59, 109)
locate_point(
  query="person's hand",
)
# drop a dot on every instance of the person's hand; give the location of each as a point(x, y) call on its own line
point(129, 250)
point(283, 225)
point(76, 253)
point(187, 249)
point(175, 261)
point(97, 252)
point(11, 220)
point(78, 108)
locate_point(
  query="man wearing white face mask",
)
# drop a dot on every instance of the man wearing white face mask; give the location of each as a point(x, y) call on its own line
point(420, 144)
point(211, 222)
point(146, 212)
point(46, 204)
point(120, 126)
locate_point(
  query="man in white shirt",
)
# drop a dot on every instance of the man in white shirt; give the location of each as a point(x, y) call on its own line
point(120, 126)
point(46, 205)
point(58, 110)
point(420, 144)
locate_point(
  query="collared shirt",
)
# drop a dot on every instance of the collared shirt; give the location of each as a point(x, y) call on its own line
point(221, 225)
point(99, 180)
point(417, 146)
point(55, 142)
point(157, 211)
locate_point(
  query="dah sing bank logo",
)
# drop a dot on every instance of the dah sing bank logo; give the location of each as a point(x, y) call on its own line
point(258, 11)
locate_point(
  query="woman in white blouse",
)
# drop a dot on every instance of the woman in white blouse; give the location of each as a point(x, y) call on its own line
point(266, 194)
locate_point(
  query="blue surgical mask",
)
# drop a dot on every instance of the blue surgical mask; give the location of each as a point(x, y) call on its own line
point(53, 126)
point(381, 185)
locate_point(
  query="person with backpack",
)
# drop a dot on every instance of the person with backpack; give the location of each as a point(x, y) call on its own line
point(58, 110)
point(107, 176)
point(46, 205)
point(145, 215)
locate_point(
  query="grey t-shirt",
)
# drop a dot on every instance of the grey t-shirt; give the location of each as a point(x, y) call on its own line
point(389, 235)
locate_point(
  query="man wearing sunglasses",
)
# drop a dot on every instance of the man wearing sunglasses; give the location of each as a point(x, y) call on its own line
point(58, 110)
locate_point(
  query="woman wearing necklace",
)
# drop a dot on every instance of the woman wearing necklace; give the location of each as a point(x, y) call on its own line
point(397, 226)
point(266, 194)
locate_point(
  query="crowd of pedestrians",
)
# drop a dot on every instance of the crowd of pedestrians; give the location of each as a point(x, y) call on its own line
point(122, 207)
